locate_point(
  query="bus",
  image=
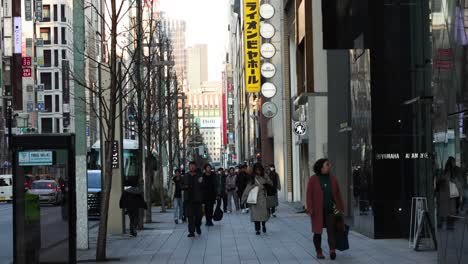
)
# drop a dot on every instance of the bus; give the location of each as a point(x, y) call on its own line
point(129, 163)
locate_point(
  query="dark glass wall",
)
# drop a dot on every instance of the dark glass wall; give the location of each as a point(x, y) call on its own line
point(390, 150)
point(450, 89)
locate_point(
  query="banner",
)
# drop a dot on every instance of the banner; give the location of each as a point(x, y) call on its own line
point(252, 46)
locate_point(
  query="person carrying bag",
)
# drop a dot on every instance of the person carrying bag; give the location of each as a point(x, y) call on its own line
point(255, 196)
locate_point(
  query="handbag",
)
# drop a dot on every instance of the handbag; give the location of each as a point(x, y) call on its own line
point(341, 238)
point(253, 195)
point(453, 190)
point(218, 213)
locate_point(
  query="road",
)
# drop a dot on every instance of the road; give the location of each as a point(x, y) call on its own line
point(6, 234)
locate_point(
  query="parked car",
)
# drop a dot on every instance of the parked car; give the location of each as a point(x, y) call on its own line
point(48, 191)
point(94, 192)
point(6, 188)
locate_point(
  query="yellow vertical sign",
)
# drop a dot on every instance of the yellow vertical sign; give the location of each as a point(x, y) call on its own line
point(252, 45)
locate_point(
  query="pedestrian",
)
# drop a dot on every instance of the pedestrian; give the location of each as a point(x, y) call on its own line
point(325, 206)
point(231, 189)
point(210, 193)
point(272, 191)
point(221, 183)
point(241, 182)
point(193, 198)
point(177, 196)
point(449, 190)
point(132, 201)
point(258, 211)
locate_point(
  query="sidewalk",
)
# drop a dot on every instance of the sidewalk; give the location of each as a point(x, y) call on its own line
point(233, 240)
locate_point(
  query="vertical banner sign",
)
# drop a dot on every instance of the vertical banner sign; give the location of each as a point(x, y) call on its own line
point(38, 10)
point(17, 38)
point(66, 93)
point(28, 10)
point(252, 46)
point(224, 110)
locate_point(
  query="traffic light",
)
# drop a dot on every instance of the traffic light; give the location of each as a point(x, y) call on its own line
point(205, 155)
point(8, 90)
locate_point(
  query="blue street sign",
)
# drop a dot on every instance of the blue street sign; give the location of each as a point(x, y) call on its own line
point(40, 106)
point(30, 107)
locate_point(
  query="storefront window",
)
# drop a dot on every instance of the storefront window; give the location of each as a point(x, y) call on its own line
point(450, 90)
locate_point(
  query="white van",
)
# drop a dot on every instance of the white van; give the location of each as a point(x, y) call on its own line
point(6, 188)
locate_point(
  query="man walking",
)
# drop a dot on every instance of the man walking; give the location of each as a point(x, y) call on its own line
point(132, 201)
point(177, 199)
point(193, 197)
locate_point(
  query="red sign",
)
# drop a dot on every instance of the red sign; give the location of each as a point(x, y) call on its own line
point(27, 61)
point(27, 72)
point(443, 65)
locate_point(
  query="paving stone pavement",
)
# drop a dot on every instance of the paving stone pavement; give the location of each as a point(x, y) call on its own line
point(233, 240)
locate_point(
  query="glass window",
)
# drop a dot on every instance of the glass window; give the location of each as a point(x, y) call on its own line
point(55, 13)
point(62, 9)
point(47, 58)
point(56, 58)
point(46, 125)
point(56, 36)
point(48, 103)
point(57, 103)
point(46, 13)
point(57, 125)
point(46, 79)
point(64, 36)
point(45, 35)
point(56, 81)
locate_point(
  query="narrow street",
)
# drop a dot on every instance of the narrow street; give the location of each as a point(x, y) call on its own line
point(6, 232)
point(288, 240)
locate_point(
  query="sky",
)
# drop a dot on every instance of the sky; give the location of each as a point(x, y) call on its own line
point(207, 23)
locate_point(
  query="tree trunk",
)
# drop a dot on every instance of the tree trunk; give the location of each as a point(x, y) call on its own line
point(160, 127)
point(140, 108)
point(170, 115)
point(102, 233)
point(149, 155)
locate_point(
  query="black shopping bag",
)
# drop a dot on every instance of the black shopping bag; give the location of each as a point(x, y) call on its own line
point(218, 213)
point(341, 236)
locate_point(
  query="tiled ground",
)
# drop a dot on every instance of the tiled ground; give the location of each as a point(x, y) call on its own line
point(233, 240)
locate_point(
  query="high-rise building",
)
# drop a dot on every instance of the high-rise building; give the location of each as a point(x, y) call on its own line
point(54, 52)
point(177, 34)
point(206, 110)
point(197, 69)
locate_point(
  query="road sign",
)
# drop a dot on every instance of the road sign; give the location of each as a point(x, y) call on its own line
point(40, 106)
point(27, 72)
point(30, 107)
point(300, 128)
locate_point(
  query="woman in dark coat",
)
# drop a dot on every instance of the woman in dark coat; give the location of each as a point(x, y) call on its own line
point(210, 193)
point(258, 212)
point(324, 205)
